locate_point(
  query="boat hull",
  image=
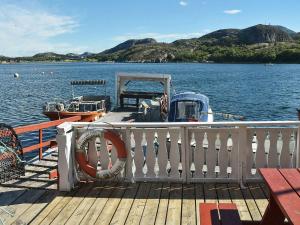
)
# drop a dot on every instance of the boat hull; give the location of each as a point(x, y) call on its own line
point(85, 116)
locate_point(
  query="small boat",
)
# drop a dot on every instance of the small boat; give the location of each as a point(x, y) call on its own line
point(16, 75)
point(190, 107)
point(148, 100)
point(90, 107)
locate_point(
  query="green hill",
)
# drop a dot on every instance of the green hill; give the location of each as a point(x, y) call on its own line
point(255, 44)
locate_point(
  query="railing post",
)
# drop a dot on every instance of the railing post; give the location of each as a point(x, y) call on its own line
point(242, 154)
point(66, 159)
point(41, 143)
point(298, 148)
point(128, 170)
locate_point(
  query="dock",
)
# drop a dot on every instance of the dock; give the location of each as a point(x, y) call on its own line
point(34, 199)
point(139, 196)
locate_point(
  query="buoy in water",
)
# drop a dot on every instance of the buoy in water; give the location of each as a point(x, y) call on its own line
point(16, 75)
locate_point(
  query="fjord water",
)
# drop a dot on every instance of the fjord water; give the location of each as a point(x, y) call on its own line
point(256, 91)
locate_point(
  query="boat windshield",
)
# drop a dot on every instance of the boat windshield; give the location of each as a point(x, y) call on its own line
point(87, 107)
point(188, 110)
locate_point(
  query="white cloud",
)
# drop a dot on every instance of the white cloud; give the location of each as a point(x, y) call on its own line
point(183, 3)
point(232, 11)
point(28, 31)
point(159, 36)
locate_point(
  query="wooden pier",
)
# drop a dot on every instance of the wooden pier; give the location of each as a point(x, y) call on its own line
point(35, 200)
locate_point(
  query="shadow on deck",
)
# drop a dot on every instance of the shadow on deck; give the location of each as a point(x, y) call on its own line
point(34, 199)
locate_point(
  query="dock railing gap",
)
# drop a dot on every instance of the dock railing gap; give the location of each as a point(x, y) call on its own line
point(39, 127)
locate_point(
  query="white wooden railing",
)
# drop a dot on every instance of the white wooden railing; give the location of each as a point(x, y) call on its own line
point(187, 152)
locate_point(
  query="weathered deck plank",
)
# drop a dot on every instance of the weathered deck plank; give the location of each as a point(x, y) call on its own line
point(125, 204)
point(68, 210)
point(37, 207)
point(114, 203)
point(57, 209)
point(199, 199)
point(84, 206)
point(223, 193)
point(251, 204)
point(137, 203)
point(46, 211)
point(22, 203)
point(111, 205)
point(137, 209)
point(174, 207)
point(98, 205)
point(151, 207)
point(259, 197)
point(237, 198)
point(163, 205)
point(188, 205)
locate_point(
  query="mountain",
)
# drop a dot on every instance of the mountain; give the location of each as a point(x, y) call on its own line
point(264, 34)
point(259, 43)
point(221, 37)
point(86, 54)
point(255, 44)
point(130, 43)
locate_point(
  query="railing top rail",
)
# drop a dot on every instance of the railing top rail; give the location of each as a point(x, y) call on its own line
point(186, 124)
point(34, 127)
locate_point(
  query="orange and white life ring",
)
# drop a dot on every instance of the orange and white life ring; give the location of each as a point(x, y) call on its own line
point(80, 154)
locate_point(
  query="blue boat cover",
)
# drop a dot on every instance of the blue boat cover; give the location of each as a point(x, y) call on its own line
point(189, 96)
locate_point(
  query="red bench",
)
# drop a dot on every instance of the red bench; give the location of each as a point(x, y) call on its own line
point(219, 214)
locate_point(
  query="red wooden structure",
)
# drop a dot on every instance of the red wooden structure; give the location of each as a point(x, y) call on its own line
point(219, 214)
point(284, 185)
point(39, 127)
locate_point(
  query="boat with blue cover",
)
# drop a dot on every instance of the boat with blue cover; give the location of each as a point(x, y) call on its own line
point(190, 107)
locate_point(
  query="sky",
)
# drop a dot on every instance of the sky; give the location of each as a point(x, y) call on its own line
point(28, 27)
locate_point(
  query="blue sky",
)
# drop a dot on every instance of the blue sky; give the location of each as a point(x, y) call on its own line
point(32, 26)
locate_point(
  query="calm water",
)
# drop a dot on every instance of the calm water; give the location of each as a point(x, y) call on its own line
point(256, 91)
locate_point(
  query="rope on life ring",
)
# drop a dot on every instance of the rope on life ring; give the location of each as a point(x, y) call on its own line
point(163, 105)
point(80, 154)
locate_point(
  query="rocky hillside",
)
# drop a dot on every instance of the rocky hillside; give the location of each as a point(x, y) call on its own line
point(259, 43)
point(256, 44)
point(129, 44)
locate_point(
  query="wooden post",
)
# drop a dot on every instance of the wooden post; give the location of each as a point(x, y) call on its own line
point(41, 143)
point(65, 140)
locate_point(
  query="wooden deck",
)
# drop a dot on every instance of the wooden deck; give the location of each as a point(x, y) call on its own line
point(34, 200)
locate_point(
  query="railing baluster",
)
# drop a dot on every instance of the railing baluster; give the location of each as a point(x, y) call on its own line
point(174, 153)
point(162, 152)
point(285, 156)
point(260, 160)
point(138, 153)
point(150, 154)
point(211, 155)
point(223, 154)
point(199, 156)
point(292, 150)
point(272, 161)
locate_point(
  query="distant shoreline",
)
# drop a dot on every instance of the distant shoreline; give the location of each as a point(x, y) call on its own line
point(187, 62)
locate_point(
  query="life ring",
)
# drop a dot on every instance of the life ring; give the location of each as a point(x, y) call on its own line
point(80, 154)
